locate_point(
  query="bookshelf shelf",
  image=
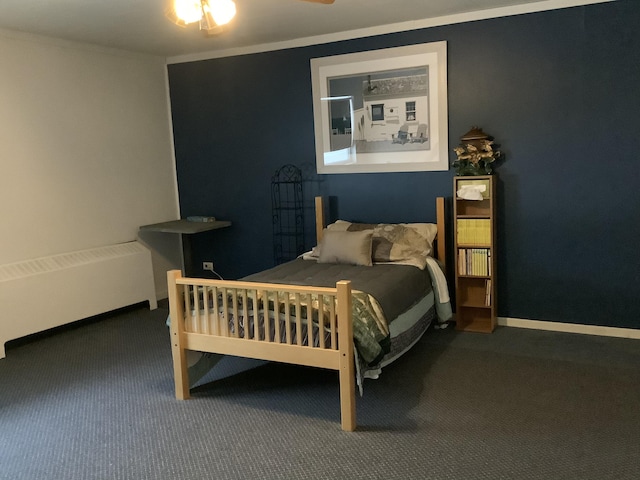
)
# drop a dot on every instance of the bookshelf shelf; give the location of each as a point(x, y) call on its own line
point(475, 247)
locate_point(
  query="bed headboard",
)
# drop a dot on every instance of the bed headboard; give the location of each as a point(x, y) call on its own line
point(440, 246)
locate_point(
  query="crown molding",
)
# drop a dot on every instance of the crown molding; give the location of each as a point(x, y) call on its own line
point(541, 6)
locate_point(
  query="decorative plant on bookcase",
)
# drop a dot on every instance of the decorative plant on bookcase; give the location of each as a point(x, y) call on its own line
point(476, 154)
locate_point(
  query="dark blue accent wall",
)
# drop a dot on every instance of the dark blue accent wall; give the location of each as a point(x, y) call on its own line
point(560, 92)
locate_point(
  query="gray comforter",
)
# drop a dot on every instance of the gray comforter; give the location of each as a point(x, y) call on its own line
point(395, 287)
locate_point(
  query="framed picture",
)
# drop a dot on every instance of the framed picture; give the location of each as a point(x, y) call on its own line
point(381, 110)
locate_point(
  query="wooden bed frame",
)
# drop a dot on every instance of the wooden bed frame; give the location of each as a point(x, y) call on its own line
point(194, 327)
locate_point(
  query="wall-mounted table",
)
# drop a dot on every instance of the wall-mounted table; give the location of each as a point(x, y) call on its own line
point(185, 228)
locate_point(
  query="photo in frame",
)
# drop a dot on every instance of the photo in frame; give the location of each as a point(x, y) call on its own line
point(381, 110)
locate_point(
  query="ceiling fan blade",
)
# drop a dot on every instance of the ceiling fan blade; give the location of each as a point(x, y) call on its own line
point(326, 2)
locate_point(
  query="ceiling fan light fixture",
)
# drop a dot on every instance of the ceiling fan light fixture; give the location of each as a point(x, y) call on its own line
point(222, 11)
point(212, 14)
point(188, 11)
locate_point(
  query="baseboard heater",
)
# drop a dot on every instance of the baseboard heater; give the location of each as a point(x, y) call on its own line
point(43, 293)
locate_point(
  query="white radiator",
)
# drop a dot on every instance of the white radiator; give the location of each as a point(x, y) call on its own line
point(47, 292)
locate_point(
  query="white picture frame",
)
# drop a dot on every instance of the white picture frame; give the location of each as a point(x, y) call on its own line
point(381, 110)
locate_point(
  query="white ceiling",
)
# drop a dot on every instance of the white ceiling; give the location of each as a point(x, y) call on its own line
point(140, 25)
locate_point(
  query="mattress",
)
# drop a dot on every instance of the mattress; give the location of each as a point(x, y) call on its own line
point(396, 287)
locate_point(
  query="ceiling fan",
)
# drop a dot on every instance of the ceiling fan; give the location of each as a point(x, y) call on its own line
point(211, 14)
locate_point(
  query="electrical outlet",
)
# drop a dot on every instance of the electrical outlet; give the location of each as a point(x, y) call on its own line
point(207, 266)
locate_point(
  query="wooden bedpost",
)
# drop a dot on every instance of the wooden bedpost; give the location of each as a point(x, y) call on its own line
point(176, 313)
point(320, 219)
point(441, 236)
point(347, 365)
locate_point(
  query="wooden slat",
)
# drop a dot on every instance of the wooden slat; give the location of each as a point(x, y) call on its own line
point(256, 316)
point(276, 313)
point(347, 367)
point(180, 371)
point(287, 321)
point(187, 304)
point(264, 301)
point(298, 320)
point(207, 310)
point(216, 312)
point(277, 352)
point(309, 320)
point(333, 324)
point(203, 309)
point(255, 285)
point(245, 313)
point(225, 312)
point(321, 321)
point(196, 310)
point(234, 308)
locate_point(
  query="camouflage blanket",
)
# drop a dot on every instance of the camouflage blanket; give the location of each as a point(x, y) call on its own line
point(370, 329)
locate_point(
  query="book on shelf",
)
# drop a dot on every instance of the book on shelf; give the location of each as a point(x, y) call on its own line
point(487, 297)
point(473, 231)
point(474, 261)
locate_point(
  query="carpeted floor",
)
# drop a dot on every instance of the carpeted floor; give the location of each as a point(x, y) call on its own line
point(95, 401)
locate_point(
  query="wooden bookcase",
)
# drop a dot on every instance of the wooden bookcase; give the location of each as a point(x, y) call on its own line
point(475, 256)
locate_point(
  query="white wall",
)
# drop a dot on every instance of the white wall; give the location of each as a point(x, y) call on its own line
point(85, 150)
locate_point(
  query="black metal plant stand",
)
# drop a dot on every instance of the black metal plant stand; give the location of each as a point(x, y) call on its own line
point(287, 210)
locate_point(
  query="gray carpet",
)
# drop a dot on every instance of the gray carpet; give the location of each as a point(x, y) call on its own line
point(95, 401)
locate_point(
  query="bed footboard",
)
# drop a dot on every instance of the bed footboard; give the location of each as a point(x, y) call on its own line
point(301, 325)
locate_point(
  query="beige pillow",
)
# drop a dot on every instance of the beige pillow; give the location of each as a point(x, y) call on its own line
point(352, 248)
point(402, 243)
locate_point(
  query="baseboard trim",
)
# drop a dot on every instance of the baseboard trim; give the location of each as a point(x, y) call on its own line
point(570, 328)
